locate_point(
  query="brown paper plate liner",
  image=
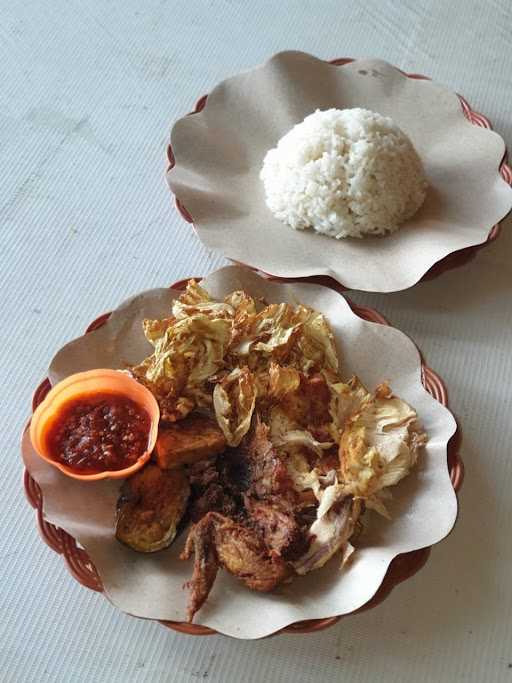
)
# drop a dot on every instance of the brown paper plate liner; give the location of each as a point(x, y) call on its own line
point(402, 567)
point(453, 260)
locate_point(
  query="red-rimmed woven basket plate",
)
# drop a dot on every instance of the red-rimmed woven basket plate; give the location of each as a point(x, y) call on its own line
point(454, 259)
point(401, 568)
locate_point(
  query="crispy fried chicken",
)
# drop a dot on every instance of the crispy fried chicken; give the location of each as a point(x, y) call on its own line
point(268, 472)
point(208, 491)
point(245, 518)
point(277, 521)
point(217, 541)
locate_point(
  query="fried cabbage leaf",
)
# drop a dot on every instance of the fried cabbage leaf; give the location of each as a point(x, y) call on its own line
point(234, 399)
point(187, 352)
point(379, 446)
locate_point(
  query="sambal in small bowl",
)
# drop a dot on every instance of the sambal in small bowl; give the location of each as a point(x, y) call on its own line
point(96, 425)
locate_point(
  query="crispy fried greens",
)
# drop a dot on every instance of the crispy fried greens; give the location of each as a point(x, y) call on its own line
point(187, 352)
point(234, 399)
point(232, 343)
point(307, 452)
point(379, 446)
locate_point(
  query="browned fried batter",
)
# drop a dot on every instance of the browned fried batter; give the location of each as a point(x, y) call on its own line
point(308, 406)
point(219, 541)
point(200, 543)
point(268, 472)
point(243, 553)
point(276, 519)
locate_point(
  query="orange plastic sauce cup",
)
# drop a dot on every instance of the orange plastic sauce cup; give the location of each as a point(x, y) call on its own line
point(86, 384)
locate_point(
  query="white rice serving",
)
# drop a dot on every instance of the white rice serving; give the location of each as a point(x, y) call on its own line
point(345, 173)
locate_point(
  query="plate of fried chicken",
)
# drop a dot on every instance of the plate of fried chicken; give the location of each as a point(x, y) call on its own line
point(297, 454)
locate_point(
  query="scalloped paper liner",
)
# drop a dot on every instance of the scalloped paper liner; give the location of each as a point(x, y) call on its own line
point(453, 260)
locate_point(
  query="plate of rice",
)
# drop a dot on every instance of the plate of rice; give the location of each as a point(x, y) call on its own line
point(344, 173)
point(357, 172)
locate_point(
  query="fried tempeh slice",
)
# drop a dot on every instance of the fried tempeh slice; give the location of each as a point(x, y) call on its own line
point(150, 508)
point(195, 438)
point(219, 541)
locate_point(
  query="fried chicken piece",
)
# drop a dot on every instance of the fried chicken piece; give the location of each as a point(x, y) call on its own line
point(337, 516)
point(234, 472)
point(242, 553)
point(201, 543)
point(217, 485)
point(190, 440)
point(219, 541)
point(277, 521)
point(203, 473)
point(213, 499)
point(268, 472)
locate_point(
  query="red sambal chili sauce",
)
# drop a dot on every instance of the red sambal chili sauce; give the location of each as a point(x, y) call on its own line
point(99, 432)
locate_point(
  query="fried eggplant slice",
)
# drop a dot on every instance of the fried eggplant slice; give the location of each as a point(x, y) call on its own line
point(219, 541)
point(190, 440)
point(150, 508)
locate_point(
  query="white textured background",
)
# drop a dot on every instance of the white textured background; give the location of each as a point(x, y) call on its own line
point(88, 91)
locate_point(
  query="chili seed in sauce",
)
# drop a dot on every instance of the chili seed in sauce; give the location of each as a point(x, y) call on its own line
point(100, 432)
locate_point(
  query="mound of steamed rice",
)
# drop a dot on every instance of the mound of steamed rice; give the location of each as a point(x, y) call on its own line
point(344, 173)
